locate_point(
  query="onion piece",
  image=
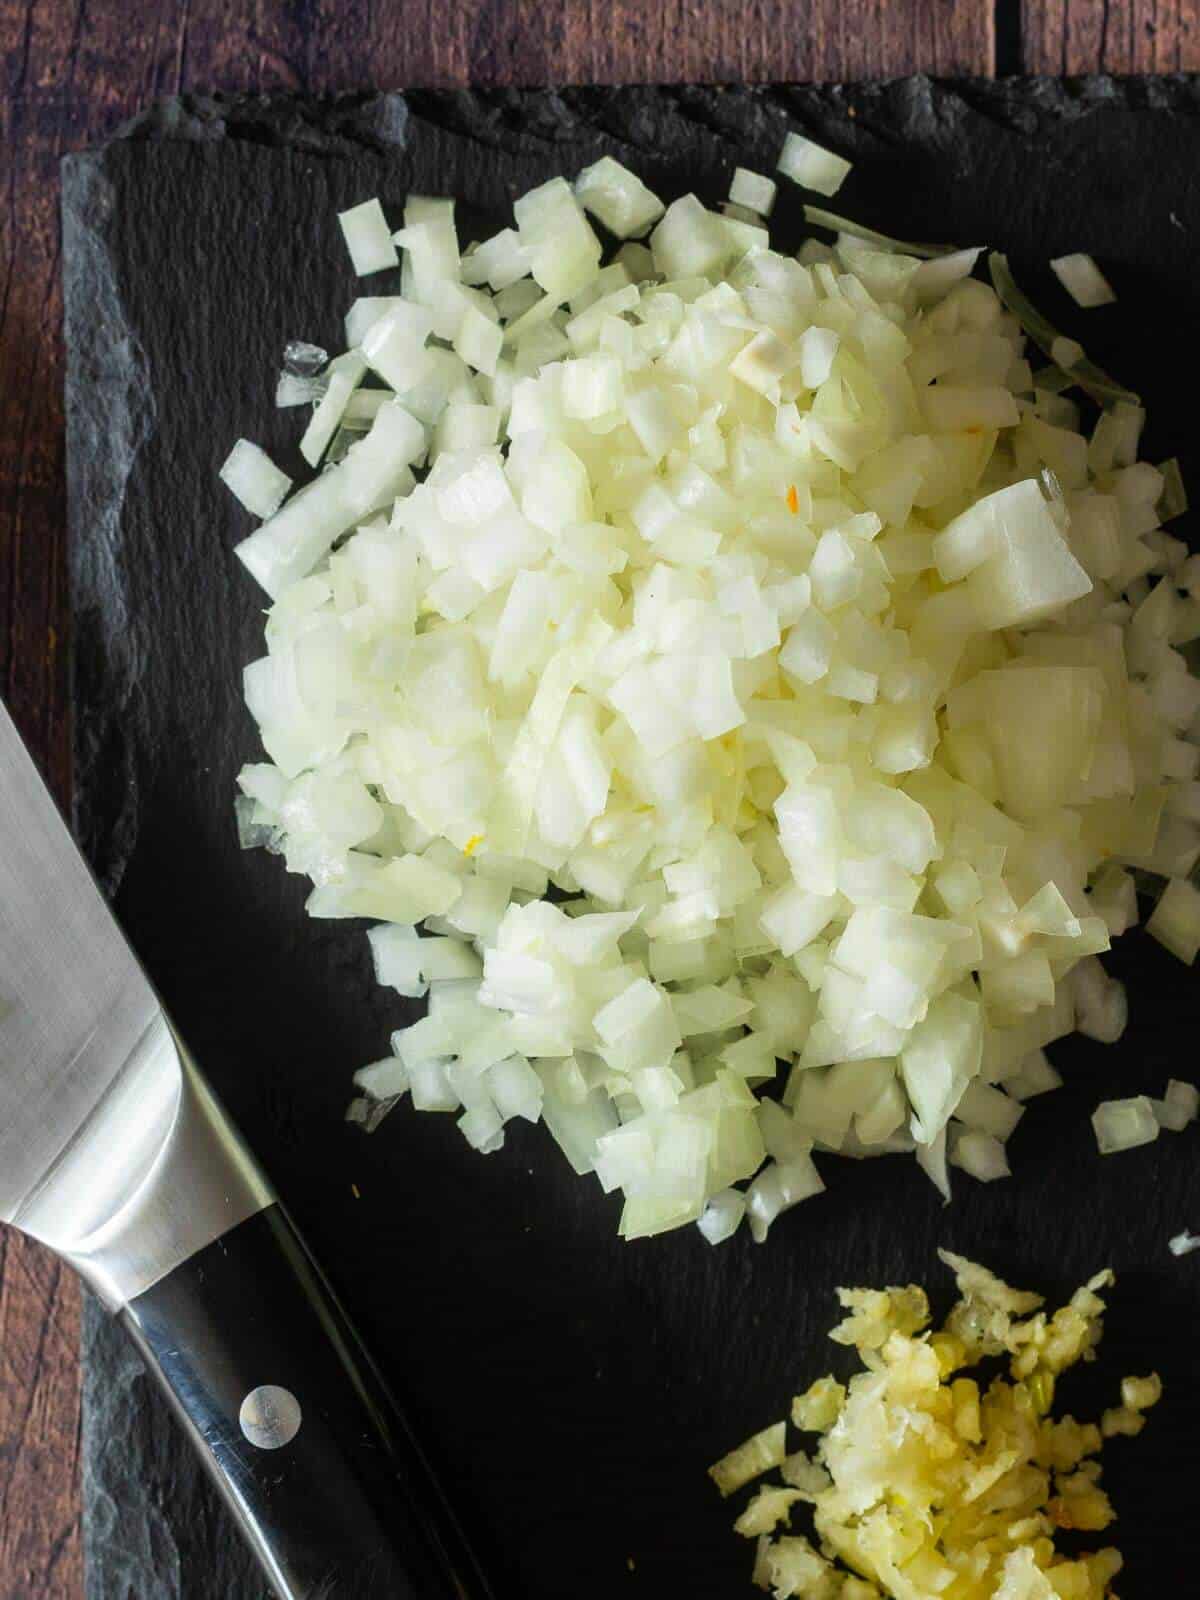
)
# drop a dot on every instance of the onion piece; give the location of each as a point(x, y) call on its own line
point(368, 238)
point(1175, 920)
point(1101, 1004)
point(618, 198)
point(811, 166)
point(1086, 374)
point(937, 275)
point(777, 1188)
point(342, 377)
point(394, 345)
point(1124, 1124)
point(1083, 280)
point(722, 1215)
point(1179, 1107)
point(304, 360)
point(384, 1080)
point(364, 313)
point(838, 224)
point(989, 1110)
point(1182, 1244)
point(1173, 501)
point(979, 1155)
point(293, 391)
point(752, 191)
point(250, 474)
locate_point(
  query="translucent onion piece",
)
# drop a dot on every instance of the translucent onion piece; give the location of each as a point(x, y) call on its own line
point(1175, 920)
point(368, 238)
point(1179, 1107)
point(1124, 1124)
point(293, 391)
point(1086, 374)
point(857, 230)
point(811, 166)
point(1173, 501)
point(618, 198)
point(250, 474)
point(752, 191)
point(1083, 280)
point(304, 360)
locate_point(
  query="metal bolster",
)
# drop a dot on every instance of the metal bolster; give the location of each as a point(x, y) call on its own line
point(193, 1177)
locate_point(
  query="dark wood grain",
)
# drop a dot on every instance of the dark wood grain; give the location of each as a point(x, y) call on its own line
point(1074, 36)
point(40, 1548)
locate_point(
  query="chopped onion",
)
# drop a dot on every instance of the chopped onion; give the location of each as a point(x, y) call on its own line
point(811, 166)
point(618, 198)
point(980, 1156)
point(1033, 1076)
point(1066, 353)
point(1173, 500)
point(384, 1080)
point(1124, 1124)
point(293, 391)
point(1179, 1107)
point(765, 687)
point(722, 1215)
point(364, 313)
point(752, 191)
point(855, 230)
point(396, 952)
point(1083, 280)
point(394, 345)
point(988, 1110)
point(1086, 374)
point(344, 375)
point(779, 1187)
point(1175, 920)
point(250, 474)
point(1101, 1004)
point(1184, 1243)
point(368, 238)
point(304, 360)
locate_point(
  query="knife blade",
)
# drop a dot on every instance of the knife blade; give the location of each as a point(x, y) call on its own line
point(94, 1090)
point(116, 1153)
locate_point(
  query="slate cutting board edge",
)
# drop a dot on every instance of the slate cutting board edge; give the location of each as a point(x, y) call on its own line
point(173, 1540)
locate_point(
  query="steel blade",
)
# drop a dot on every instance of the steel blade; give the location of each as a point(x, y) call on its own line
point(75, 1001)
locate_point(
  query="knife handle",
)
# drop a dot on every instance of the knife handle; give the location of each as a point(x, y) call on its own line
point(296, 1426)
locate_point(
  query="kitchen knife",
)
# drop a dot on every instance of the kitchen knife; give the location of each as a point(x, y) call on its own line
point(115, 1152)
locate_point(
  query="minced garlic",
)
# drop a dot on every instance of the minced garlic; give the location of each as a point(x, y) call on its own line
point(924, 1484)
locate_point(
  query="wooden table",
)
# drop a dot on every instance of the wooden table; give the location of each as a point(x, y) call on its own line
point(71, 71)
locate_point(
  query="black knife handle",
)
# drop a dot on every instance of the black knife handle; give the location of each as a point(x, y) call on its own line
point(296, 1425)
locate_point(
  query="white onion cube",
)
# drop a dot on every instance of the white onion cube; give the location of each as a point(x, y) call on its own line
point(812, 166)
point(250, 474)
point(368, 238)
point(1083, 280)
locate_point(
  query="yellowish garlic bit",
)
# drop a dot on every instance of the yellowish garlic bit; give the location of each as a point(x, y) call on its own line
point(875, 1314)
point(818, 1408)
point(925, 1484)
point(750, 1460)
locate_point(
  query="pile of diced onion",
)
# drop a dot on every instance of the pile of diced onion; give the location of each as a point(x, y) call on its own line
point(739, 687)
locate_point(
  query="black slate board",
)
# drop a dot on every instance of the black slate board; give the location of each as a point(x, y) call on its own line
point(573, 1388)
